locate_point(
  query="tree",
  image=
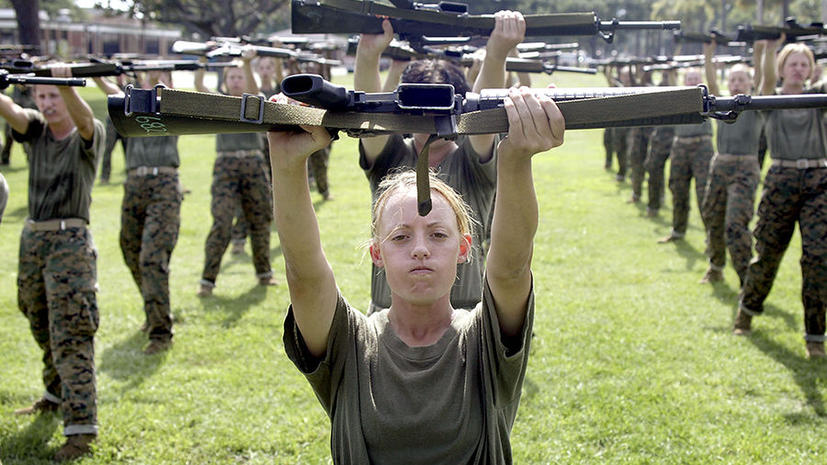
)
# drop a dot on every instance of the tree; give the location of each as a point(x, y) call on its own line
point(211, 18)
point(28, 22)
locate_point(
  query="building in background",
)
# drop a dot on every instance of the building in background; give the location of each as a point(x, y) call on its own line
point(99, 34)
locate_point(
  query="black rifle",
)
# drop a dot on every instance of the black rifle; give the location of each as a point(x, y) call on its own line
point(419, 99)
point(415, 20)
point(462, 56)
point(235, 49)
point(7, 79)
point(792, 30)
point(544, 47)
point(715, 36)
point(691, 61)
point(99, 68)
point(420, 108)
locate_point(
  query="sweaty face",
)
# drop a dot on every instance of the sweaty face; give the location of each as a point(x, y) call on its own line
point(235, 81)
point(796, 69)
point(419, 254)
point(738, 82)
point(50, 103)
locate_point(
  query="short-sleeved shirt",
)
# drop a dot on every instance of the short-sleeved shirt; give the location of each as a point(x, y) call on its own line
point(61, 172)
point(694, 130)
point(242, 141)
point(448, 403)
point(466, 174)
point(797, 133)
point(742, 136)
point(152, 151)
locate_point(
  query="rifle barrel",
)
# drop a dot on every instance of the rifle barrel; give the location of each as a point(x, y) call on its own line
point(638, 25)
point(6, 79)
point(765, 102)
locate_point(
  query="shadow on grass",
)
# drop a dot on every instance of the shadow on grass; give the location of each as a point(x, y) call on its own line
point(18, 213)
point(808, 374)
point(125, 361)
point(32, 442)
point(727, 295)
point(724, 293)
point(689, 253)
point(235, 306)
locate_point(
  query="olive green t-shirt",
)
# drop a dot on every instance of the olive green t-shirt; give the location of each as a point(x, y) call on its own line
point(797, 133)
point(242, 141)
point(694, 130)
point(742, 136)
point(61, 172)
point(476, 181)
point(152, 151)
point(453, 402)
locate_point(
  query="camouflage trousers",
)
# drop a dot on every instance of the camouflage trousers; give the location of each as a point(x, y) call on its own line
point(791, 195)
point(617, 143)
point(728, 206)
point(150, 217)
point(240, 227)
point(56, 286)
point(638, 145)
point(239, 179)
point(318, 163)
point(607, 145)
point(690, 158)
point(655, 165)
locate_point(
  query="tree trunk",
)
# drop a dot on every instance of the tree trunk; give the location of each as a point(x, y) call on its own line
point(760, 12)
point(28, 22)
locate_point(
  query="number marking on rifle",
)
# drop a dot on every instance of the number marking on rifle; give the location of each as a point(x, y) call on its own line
point(151, 124)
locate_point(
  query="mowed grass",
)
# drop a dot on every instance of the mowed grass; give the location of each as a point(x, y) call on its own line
point(632, 360)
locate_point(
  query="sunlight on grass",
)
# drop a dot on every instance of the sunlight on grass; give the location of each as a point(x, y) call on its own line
point(632, 362)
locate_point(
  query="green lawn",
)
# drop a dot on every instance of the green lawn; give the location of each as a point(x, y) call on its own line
point(633, 361)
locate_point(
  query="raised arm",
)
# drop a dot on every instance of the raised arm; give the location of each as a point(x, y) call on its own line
point(366, 78)
point(509, 30)
point(709, 69)
point(13, 114)
point(79, 110)
point(106, 86)
point(769, 77)
point(198, 78)
point(394, 75)
point(247, 56)
point(535, 125)
point(758, 48)
point(310, 278)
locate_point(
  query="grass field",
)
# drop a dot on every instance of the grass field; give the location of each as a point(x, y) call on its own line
point(633, 360)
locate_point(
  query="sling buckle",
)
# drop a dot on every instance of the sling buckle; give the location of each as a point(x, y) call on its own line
point(243, 118)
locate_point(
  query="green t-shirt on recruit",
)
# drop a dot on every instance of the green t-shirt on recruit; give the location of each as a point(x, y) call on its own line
point(453, 402)
point(797, 133)
point(742, 136)
point(61, 172)
point(694, 130)
point(152, 151)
